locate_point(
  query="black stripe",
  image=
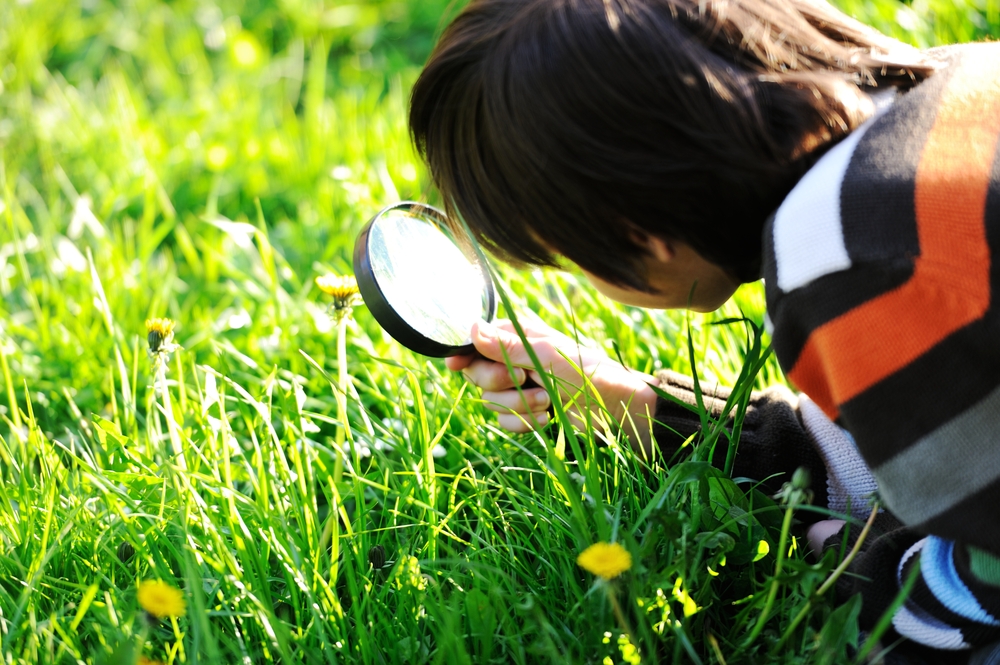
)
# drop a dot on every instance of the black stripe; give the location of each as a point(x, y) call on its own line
point(987, 594)
point(992, 217)
point(973, 521)
point(924, 598)
point(972, 632)
point(877, 196)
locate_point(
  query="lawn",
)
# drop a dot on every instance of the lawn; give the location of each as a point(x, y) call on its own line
point(205, 162)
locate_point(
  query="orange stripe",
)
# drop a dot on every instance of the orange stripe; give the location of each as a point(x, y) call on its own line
point(950, 285)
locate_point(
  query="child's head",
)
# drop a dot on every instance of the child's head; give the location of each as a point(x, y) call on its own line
point(571, 127)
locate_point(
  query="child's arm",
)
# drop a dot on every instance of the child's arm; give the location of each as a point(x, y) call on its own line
point(773, 441)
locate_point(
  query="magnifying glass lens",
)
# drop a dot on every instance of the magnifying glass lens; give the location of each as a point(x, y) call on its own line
point(420, 286)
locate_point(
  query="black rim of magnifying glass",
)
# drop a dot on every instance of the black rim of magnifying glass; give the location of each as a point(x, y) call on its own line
point(379, 306)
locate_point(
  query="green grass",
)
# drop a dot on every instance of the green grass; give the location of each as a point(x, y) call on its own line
point(205, 162)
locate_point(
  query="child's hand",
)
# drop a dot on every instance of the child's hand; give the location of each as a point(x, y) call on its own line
point(562, 357)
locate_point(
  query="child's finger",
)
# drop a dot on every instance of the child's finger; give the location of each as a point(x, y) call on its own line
point(521, 424)
point(493, 376)
point(501, 345)
point(458, 363)
point(534, 400)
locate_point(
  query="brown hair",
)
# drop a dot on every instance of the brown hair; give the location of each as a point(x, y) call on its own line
point(564, 125)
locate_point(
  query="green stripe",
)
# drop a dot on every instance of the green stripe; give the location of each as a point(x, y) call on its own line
point(984, 566)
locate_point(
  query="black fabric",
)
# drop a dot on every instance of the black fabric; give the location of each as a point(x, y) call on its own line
point(773, 443)
point(977, 525)
point(988, 655)
point(873, 571)
point(873, 575)
point(922, 596)
point(883, 168)
point(987, 595)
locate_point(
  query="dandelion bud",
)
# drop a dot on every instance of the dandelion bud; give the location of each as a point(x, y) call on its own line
point(125, 552)
point(801, 479)
point(159, 334)
point(376, 557)
point(796, 491)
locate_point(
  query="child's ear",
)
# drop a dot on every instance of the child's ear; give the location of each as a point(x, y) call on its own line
point(659, 248)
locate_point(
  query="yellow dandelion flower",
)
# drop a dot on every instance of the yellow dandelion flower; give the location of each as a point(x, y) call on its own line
point(344, 290)
point(607, 560)
point(159, 334)
point(160, 599)
point(148, 661)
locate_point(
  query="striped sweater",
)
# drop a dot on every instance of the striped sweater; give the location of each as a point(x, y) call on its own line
point(880, 271)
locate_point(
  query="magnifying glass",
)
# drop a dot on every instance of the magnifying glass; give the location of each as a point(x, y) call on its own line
point(422, 287)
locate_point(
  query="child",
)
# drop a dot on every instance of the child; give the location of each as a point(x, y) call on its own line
point(674, 149)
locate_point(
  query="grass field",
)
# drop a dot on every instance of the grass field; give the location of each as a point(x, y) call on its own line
point(205, 161)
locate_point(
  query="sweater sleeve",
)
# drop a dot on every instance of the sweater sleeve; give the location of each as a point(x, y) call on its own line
point(927, 430)
point(955, 602)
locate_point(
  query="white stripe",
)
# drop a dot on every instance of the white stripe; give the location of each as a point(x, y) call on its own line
point(919, 626)
point(914, 548)
point(927, 630)
point(808, 236)
point(849, 483)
